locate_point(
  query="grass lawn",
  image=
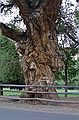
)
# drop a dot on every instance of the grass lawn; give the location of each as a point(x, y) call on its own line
point(14, 93)
point(9, 93)
point(69, 95)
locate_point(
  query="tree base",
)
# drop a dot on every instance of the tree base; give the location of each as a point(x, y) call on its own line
point(35, 102)
point(40, 95)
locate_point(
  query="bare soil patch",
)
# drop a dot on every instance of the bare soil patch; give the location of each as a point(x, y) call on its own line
point(45, 103)
point(63, 108)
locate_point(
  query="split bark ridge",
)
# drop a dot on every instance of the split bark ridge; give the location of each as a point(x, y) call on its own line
point(40, 58)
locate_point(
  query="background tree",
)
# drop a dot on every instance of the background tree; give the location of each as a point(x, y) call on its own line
point(10, 72)
point(67, 30)
point(38, 44)
point(70, 71)
point(76, 77)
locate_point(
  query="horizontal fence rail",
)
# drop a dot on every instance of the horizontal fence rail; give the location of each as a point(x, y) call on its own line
point(33, 92)
point(37, 86)
point(41, 99)
point(37, 92)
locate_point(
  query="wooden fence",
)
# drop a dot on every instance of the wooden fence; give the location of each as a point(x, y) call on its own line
point(35, 92)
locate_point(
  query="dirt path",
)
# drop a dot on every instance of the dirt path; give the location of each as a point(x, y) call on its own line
point(55, 108)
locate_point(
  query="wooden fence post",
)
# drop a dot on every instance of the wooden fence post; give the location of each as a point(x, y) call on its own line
point(1, 90)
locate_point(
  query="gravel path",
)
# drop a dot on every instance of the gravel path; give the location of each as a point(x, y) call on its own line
point(61, 108)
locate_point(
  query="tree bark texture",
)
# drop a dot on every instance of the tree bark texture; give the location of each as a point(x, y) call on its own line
point(40, 58)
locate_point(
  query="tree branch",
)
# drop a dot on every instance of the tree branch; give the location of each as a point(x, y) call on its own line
point(71, 37)
point(52, 8)
point(8, 5)
point(24, 11)
point(10, 33)
point(50, 11)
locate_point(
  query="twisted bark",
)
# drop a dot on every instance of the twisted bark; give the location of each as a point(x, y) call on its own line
point(40, 56)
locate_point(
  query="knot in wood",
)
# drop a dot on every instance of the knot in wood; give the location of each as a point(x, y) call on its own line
point(33, 66)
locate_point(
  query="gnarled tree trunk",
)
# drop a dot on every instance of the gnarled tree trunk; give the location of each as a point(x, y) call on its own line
point(40, 57)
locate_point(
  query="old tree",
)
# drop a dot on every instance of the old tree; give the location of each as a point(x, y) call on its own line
point(37, 45)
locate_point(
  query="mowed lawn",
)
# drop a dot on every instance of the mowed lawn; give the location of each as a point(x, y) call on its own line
point(69, 95)
point(11, 92)
point(18, 92)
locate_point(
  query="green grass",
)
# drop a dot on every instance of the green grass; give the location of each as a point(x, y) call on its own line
point(58, 90)
point(69, 95)
point(9, 93)
point(12, 93)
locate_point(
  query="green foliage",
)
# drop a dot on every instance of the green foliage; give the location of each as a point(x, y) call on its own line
point(61, 26)
point(9, 63)
point(77, 19)
point(66, 25)
point(76, 77)
point(72, 67)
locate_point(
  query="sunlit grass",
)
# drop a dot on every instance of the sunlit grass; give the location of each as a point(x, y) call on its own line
point(69, 95)
point(11, 93)
point(14, 93)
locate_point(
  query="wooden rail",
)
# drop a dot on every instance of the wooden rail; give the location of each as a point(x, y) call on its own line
point(37, 86)
point(37, 92)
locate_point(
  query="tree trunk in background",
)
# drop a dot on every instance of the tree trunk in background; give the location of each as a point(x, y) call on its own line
point(66, 82)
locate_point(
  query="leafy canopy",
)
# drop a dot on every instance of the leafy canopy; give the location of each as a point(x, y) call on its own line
point(9, 63)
